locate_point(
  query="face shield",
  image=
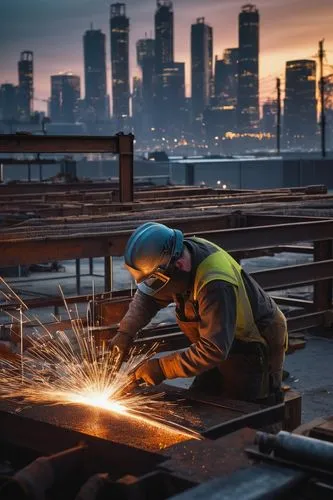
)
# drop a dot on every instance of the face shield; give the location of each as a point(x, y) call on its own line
point(154, 283)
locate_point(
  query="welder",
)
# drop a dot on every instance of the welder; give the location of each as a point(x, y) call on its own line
point(238, 335)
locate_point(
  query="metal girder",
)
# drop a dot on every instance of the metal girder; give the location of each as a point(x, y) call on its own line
point(255, 420)
point(113, 243)
point(305, 321)
point(287, 277)
point(26, 143)
point(322, 294)
point(35, 161)
point(290, 301)
point(254, 483)
point(263, 219)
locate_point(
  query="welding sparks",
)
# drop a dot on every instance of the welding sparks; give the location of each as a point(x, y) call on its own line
point(68, 367)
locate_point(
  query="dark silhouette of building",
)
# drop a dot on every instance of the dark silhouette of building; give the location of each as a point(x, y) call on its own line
point(201, 66)
point(145, 49)
point(95, 75)
point(163, 33)
point(226, 79)
point(9, 102)
point(269, 117)
point(164, 54)
point(248, 69)
point(300, 104)
point(172, 111)
point(26, 85)
point(328, 89)
point(119, 29)
point(65, 95)
point(137, 106)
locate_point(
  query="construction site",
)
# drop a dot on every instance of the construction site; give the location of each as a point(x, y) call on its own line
point(189, 444)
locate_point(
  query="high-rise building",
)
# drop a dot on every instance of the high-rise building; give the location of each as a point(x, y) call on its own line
point(300, 104)
point(226, 79)
point(201, 65)
point(269, 116)
point(248, 69)
point(145, 49)
point(164, 33)
point(9, 102)
point(95, 74)
point(119, 29)
point(328, 82)
point(164, 53)
point(137, 106)
point(26, 84)
point(171, 112)
point(65, 95)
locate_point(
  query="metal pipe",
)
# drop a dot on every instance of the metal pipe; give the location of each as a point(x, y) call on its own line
point(301, 449)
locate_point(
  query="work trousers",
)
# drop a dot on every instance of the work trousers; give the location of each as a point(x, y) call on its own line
point(252, 370)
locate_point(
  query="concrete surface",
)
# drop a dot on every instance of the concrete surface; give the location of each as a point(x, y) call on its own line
point(311, 373)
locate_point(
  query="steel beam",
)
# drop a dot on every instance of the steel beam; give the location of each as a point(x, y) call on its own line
point(291, 276)
point(259, 482)
point(255, 420)
point(291, 302)
point(126, 159)
point(26, 143)
point(113, 243)
point(322, 294)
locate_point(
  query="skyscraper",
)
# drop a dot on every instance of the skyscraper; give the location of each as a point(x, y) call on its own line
point(95, 74)
point(269, 116)
point(300, 104)
point(163, 33)
point(65, 95)
point(226, 78)
point(201, 65)
point(26, 85)
point(172, 83)
point(137, 106)
point(328, 82)
point(248, 69)
point(8, 102)
point(164, 53)
point(145, 49)
point(119, 29)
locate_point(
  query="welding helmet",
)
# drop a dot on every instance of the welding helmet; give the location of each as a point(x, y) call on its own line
point(150, 255)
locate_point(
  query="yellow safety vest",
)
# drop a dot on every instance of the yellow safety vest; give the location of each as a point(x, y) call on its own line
point(221, 266)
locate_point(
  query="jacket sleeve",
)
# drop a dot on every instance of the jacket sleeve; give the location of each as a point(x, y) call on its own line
point(217, 310)
point(140, 312)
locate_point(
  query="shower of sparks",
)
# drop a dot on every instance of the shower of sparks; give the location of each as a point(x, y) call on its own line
point(68, 367)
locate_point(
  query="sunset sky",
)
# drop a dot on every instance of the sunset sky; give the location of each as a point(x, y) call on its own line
point(53, 30)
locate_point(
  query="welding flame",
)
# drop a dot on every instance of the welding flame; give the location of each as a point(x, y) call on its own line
point(68, 367)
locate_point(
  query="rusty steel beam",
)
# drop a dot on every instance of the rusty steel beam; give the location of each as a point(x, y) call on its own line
point(291, 302)
point(263, 219)
point(26, 143)
point(322, 294)
point(305, 321)
point(304, 249)
point(113, 243)
point(16, 161)
point(290, 276)
point(126, 155)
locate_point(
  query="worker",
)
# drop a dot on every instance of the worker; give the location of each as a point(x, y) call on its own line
point(238, 335)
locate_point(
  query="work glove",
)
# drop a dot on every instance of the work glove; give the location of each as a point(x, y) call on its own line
point(150, 372)
point(123, 342)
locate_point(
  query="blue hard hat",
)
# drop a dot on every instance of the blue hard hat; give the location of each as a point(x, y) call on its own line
point(151, 253)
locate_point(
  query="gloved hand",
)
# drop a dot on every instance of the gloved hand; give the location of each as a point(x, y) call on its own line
point(123, 341)
point(150, 372)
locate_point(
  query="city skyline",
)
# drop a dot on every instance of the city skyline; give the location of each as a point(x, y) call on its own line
point(277, 45)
